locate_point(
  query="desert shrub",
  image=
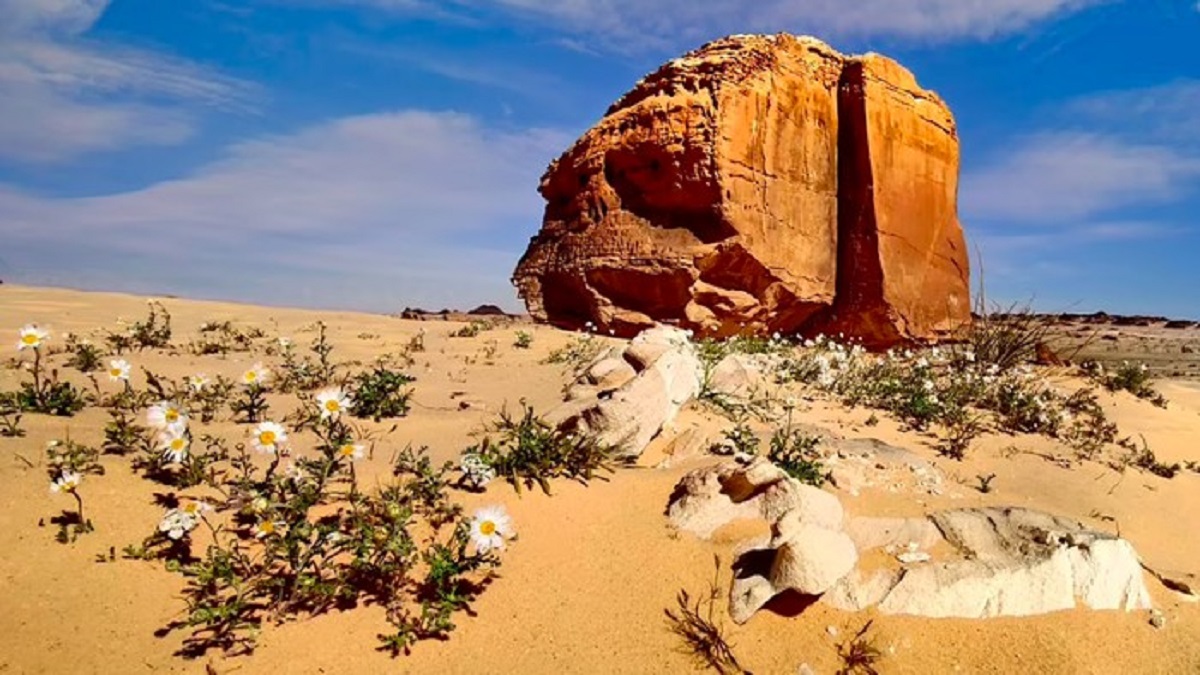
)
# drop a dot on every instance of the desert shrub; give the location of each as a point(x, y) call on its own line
point(222, 337)
point(524, 340)
point(1145, 459)
point(381, 393)
point(306, 373)
point(472, 329)
point(577, 354)
point(85, 356)
point(795, 452)
point(155, 331)
point(740, 438)
point(962, 428)
point(1134, 378)
point(10, 416)
point(1005, 337)
point(527, 450)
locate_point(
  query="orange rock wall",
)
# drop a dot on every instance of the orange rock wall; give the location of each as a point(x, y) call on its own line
point(759, 184)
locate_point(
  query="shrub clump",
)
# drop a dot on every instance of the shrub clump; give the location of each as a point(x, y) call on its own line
point(527, 450)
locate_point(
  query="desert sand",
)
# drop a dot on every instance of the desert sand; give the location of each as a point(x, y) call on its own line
point(584, 587)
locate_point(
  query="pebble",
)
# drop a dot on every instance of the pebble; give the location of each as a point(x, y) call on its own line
point(1157, 619)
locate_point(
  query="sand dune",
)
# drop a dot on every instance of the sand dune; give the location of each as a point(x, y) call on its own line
point(585, 586)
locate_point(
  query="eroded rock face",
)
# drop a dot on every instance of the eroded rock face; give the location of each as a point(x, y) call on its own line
point(761, 183)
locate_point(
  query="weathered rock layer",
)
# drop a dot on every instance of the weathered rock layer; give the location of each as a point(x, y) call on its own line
point(759, 184)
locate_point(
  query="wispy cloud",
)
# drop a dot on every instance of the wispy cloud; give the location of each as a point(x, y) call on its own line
point(366, 211)
point(66, 94)
point(1062, 177)
point(1052, 203)
point(668, 24)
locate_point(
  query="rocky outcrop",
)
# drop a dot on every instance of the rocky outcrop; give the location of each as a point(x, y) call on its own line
point(759, 184)
point(966, 563)
point(625, 397)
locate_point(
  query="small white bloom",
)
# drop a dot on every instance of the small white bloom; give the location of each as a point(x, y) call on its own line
point(267, 528)
point(198, 382)
point(295, 473)
point(476, 471)
point(269, 437)
point(118, 370)
point(166, 415)
point(489, 528)
point(352, 452)
point(177, 523)
point(260, 504)
point(174, 443)
point(32, 337)
point(66, 482)
point(285, 343)
point(257, 376)
point(333, 402)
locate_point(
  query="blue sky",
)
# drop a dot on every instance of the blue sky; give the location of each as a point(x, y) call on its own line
point(373, 154)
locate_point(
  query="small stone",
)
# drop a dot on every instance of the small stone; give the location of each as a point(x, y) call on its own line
point(832, 630)
point(911, 558)
point(805, 669)
point(1157, 619)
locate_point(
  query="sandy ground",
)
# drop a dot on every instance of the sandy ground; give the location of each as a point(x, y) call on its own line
point(585, 587)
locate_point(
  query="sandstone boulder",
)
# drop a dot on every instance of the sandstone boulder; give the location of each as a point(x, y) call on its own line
point(666, 375)
point(758, 184)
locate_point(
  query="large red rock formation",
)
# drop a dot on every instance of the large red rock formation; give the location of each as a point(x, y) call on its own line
point(759, 184)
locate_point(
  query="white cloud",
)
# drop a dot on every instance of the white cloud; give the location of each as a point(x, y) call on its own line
point(66, 95)
point(1068, 176)
point(369, 211)
point(668, 23)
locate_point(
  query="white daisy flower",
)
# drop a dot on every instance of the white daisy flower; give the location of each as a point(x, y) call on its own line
point(32, 337)
point(489, 528)
point(269, 438)
point(285, 343)
point(174, 443)
point(198, 382)
point(166, 415)
point(66, 482)
point(352, 452)
point(257, 376)
point(267, 528)
point(333, 402)
point(118, 370)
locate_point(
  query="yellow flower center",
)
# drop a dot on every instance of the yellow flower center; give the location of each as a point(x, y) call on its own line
point(267, 527)
point(115, 372)
point(332, 405)
point(171, 415)
point(487, 528)
point(266, 438)
point(347, 450)
point(29, 339)
point(178, 444)
point(251, 377)
point(191, 509)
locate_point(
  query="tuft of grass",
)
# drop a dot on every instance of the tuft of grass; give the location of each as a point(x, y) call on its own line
point(985, 482)
point(695, 622)
point(860, 654)
point(527, 450)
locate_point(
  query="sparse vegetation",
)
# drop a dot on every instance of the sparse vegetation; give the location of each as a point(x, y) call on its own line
point(528, 451)
point(703, 633)
point(1134, 378)
point(524, 340)
point(381, 393)
point(860, 654)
